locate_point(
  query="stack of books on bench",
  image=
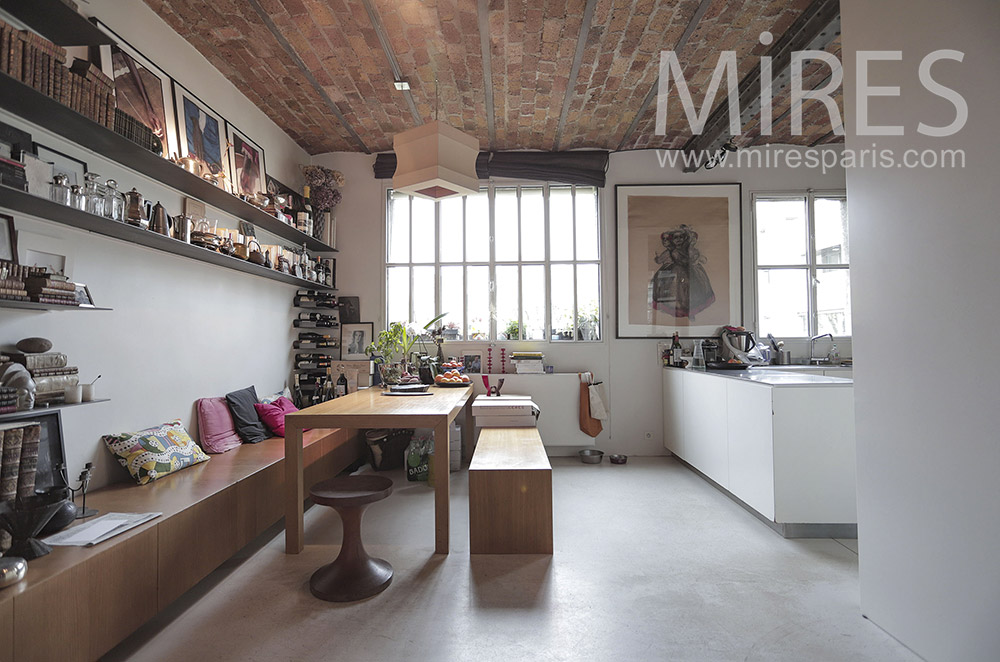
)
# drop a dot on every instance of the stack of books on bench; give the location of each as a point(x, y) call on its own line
point(528, 362)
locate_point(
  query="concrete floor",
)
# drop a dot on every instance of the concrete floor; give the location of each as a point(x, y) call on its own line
point(650, 563)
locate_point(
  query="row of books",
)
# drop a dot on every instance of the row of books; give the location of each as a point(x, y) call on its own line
point(36, 61)
point(8, 398)
point(528, 363)
point(14, 278)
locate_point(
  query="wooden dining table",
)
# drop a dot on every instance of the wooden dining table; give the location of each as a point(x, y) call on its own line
point(369, 408)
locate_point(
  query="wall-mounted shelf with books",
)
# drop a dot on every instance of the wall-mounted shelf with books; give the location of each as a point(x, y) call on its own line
point(26, 203)
point(57, 21)
point(34, 305)
point(33, 106)
point(38, 411)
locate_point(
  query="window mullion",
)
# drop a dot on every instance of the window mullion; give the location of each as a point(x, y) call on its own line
point(811, 261)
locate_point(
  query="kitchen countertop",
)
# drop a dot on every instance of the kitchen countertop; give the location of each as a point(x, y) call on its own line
point(776, 378)
point(797, 366)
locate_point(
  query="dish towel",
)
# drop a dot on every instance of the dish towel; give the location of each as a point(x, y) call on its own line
point(588, 424)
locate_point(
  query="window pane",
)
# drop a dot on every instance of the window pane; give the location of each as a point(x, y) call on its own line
point(532, 225)
point(452, 237)
point(477, 228)
point(562, 302)
point(782, 302)
point(399, 228)
point(478, 302)
point(781, 231)
point(560, 223)
point(833, 301)
point(533, 300)
point(397, 285)
point(831, 231)
point(588, 302)
point(452, 302)
point(507, 285)
point(506, 223)
point(423, 230)
point(587, 241)
point(423, 295)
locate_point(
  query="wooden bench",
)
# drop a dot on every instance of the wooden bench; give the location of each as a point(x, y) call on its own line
point(510, 493)
point(77, 602)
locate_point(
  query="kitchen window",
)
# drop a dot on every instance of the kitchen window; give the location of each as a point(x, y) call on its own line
point(802, 264)
point(510, 263)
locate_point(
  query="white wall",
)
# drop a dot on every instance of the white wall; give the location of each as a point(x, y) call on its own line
point(925, 247)
point(629, 367)
point(180, 329)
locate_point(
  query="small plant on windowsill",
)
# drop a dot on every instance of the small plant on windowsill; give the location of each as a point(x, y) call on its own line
point(513, 331)
point(392, 347)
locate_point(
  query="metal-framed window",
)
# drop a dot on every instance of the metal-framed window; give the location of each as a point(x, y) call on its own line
point(801, 264)
point(514, 262)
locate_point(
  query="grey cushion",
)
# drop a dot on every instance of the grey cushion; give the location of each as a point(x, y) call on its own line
point(248, 424)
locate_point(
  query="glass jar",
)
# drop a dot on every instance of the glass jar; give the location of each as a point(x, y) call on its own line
point(59, 189)
point(94, 194)
point(114, 202)
point(77, 199)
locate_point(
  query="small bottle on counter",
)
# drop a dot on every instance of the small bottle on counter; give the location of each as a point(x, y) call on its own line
point(675, 351)
point(342, 385)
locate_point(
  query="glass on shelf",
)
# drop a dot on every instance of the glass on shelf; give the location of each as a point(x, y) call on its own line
point(114, 202)
point(59, 189)
point(94, 194)
point(77, 199)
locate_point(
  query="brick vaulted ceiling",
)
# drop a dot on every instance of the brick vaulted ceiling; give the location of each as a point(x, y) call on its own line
point(549, 75)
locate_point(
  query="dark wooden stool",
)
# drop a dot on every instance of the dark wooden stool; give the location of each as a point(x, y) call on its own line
point(354, 575)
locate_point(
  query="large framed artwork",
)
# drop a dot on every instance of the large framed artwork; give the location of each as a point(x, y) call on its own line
point(142, 90)
point(201, 133)
point(679, 259)
point(246, 162)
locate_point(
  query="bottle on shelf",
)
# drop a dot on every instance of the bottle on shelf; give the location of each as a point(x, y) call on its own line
point(328, 392)
point(329, 324)
point(675, 351)
point(316, 317)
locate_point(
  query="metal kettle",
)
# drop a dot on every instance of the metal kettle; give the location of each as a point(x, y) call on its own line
point(136, 212)
point(159, 222)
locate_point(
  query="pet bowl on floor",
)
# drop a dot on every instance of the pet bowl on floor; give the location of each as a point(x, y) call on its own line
point(591, 456)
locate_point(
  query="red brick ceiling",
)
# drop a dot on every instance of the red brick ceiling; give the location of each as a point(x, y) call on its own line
point(532, 45)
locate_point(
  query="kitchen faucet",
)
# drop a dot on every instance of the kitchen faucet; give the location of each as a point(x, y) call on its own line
point(812, 347)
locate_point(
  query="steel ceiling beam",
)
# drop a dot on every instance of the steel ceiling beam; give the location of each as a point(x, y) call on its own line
point(397, 71)
point(483, 11)
point(815, 29)
point(574, 72)
point(308, 74)
point(678, 47)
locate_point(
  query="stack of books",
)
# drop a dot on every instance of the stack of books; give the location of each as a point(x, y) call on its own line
point(18, 464)
point(49, 288)
point(8, 399)
point(37, 62)
point(12, 278)
point(51, 373)
point(528, 362)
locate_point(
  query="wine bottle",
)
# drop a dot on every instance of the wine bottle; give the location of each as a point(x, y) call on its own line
point(316, 317)
point(675, 350)
point(327, 324)
point(342, 385)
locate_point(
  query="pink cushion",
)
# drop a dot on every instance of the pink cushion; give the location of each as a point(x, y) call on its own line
point(215, 425)
point(273, 414)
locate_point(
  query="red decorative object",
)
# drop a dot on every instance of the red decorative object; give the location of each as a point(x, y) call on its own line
point(503, 360)
point(489, 361)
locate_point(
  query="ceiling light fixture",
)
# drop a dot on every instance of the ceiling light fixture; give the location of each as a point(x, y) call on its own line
point(719, 157)
point(435, 160)
point(401, 85)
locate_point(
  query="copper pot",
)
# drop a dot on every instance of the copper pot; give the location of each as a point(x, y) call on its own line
point(241, 251)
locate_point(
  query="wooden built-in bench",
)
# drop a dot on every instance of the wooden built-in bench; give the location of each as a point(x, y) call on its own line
point(79, 602)
point(510, 493)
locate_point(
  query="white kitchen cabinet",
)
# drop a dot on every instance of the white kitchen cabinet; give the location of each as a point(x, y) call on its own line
point(782, 444)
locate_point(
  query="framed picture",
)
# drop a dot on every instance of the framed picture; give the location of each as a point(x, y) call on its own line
point(62, 164)
point(246, 162)
point(38, 250)
point(679, 259)
point(353, 340)
point(13, 141)
point(142, 89)
point(8, 239)
point(473, 362)
point(200, 132)
point(350, 309)
point(82, 293)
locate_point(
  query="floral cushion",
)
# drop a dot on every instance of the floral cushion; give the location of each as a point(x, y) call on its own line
point(155, 452)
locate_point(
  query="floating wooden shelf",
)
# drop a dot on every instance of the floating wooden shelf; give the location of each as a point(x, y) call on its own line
point(35, 107)
point(11, 198)
point(57, 21)
point(38, 411)
point(34, 305)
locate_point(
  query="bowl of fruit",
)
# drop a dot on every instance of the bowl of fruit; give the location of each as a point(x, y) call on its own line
point(453, 365)
point(452, 378)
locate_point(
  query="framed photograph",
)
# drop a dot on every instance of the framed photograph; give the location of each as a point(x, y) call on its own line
point(473, 362)
point(142, 89)
point(83, 297)
point(353, 340)
point(8, 239)
point(200, 133)
point(13, 141)
point(62, 164)
point(350, 309)
point(679, 259)
point(246, 162)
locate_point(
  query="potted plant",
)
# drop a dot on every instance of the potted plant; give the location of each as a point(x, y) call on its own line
point(513, 331)
point(392, 347)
